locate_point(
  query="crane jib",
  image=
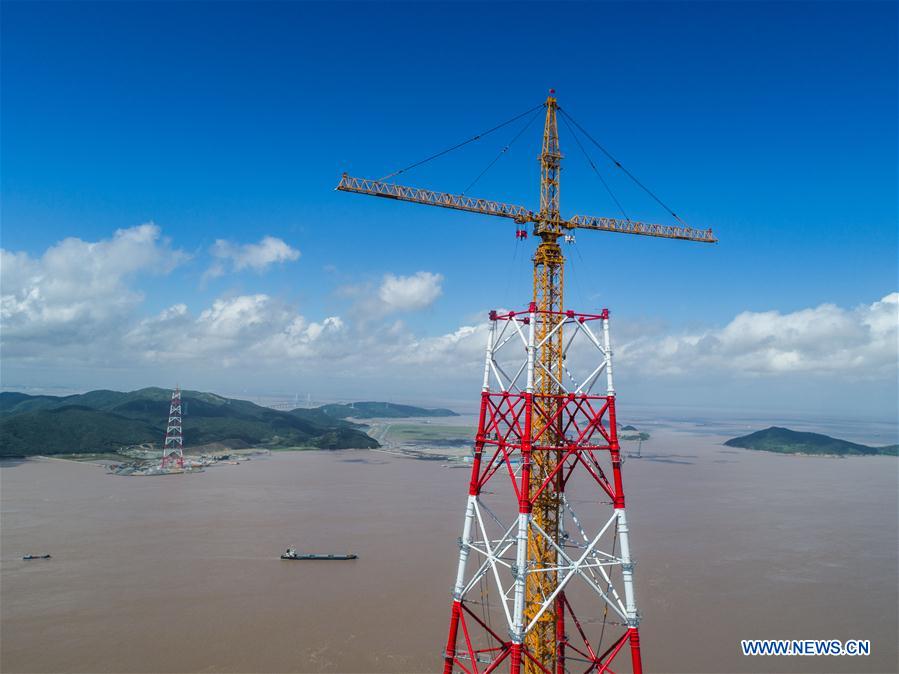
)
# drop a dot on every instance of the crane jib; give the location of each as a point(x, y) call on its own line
point(520, 214)
point(416, 195)
point(641, 228)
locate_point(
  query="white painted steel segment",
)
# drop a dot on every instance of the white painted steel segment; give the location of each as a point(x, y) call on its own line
point(627, 570)
point(554, 378)
point(608, 349)
point(532, 351)
point(593, 337)
point(592, 378)
point(549, 335)
point(570, 336)
point(616, 560)
point(491, 334)
point(521, 565)
point(524, 340)
point(492, 558)
point(574, 568)
point(464, 547)
point(510, 337)
point(510, 385)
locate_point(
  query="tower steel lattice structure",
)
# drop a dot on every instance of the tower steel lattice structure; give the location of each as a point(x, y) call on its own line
point(173, 447)
point(531, 444)
point(546, 443)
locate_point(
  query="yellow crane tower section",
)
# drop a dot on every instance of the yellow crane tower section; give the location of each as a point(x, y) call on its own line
point(549, 284)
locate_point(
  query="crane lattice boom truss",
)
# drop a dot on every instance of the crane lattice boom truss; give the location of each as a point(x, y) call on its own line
point(519, 214)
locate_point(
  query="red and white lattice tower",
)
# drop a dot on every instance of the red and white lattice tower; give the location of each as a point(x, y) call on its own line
point(173, 447)
point(593, 602)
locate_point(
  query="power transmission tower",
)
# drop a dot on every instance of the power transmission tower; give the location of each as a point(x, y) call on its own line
point(173, 447)
point(542, 428)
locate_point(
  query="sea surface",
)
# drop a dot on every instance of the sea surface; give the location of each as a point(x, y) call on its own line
point(181, 573)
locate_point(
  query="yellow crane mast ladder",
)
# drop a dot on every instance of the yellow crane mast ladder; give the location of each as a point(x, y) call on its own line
point(549, 284)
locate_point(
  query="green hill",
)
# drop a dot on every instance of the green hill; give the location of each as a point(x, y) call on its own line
point(786, 441)
point(372, 410)
point(110, 420)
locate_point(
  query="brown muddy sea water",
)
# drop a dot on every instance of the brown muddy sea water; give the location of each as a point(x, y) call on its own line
point(181, 573)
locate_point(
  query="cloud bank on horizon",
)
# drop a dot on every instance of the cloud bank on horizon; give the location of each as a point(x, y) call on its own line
point(77, 307)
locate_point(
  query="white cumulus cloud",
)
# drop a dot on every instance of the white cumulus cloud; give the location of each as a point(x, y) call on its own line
point(410, 293)
point(77, 289)
point(857, 343)
point(242, 330)
point(256, 256)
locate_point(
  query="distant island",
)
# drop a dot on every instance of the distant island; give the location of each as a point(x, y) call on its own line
point(110, 421)
point(631, 432)
point(373, 410)
point(786, 441)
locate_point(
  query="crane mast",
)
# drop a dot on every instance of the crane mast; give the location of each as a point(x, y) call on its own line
point(548, 296)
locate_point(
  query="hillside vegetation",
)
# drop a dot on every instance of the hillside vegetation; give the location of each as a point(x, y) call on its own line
point(786, 441)
point(101, 421)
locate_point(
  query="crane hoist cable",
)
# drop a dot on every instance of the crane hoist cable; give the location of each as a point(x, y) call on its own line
point(463, 143)
point(595, 170)
point(511, 272)
point(620, 166)
point(503, 151)
point(576, 272)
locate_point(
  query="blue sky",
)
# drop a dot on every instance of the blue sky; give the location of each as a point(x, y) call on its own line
point(773, 123)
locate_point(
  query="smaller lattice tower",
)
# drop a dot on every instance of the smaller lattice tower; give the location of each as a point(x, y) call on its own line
point(173, 447)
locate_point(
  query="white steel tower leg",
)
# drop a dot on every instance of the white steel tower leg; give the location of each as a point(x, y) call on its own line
point(465, 541)
point(524, 515)
point(607, 343)
point(627, 570)
point(464, 544)
point(521, 566)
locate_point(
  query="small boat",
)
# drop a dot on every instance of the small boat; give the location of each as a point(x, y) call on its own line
point(294, 555)
point(36, 557)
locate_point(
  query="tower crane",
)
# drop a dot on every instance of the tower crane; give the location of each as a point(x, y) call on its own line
point(548, 226)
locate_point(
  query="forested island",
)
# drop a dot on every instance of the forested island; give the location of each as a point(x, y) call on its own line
point(110, 421)
point(377, 410)
point(787, 441)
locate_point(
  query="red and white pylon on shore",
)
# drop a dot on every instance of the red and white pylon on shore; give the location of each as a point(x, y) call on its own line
point(593, 601)
point(173, 447)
